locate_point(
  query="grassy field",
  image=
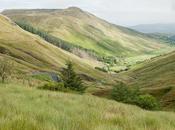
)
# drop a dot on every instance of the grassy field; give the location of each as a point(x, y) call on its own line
point(24, 108)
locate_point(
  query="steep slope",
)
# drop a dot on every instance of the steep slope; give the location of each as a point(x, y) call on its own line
point(30, 109)
point(86, 30)
point(157, 76)
point(31, 53)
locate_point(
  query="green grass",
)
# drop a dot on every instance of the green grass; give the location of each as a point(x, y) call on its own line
point(23, 108)
point(42, 77)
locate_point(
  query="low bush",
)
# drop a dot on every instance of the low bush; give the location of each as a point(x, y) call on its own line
point(120, 93)
point(148, 102)
point(53, 86)
point(123, 93)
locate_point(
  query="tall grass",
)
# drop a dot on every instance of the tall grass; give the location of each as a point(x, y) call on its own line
point(23, 108)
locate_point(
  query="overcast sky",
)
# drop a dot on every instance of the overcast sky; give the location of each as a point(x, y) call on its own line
point(122, 12)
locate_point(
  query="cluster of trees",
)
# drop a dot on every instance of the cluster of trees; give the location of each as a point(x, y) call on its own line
point(71, 81)
point(111, 60)
point(51, 39)
point(54, 40)
point(123, 93)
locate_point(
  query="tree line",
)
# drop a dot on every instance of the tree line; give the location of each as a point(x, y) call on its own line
point(54, 40)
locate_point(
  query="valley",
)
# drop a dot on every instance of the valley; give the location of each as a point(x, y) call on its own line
point(90, 37)
point(68, 69)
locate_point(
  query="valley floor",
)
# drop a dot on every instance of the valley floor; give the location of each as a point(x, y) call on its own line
point(24, 108)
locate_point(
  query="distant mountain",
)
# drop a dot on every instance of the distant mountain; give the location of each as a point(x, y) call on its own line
point(155, 28)
point(83, 29)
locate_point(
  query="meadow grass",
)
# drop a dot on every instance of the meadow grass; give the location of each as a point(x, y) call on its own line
point(24, 108)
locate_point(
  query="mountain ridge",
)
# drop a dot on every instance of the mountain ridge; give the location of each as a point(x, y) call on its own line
point(88, 31)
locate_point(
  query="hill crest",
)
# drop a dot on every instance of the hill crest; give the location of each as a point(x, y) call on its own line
point(88, 31)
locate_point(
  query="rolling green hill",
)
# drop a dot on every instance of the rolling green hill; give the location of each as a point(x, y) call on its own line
point(30, 53)
point(88, 31)
point(31, 109)
point(157, 76)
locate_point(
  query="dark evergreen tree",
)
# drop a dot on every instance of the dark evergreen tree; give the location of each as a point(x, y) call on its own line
point(71, 79)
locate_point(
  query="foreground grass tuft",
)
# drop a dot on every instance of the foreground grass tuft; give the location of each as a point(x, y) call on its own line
point(23, 108)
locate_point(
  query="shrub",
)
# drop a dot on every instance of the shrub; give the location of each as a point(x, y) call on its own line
point(124, 94)
point(53, 86)
point(120, 93)
point(148, 102)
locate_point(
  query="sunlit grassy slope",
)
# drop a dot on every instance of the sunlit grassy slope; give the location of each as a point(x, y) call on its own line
point(158, 77)
point(31, 53)
point(86, 30)
point(24, 108)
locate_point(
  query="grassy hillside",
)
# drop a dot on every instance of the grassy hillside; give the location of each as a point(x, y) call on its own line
point(86, 30)
point(31, 53)
point(157, 77)
point(30, 109)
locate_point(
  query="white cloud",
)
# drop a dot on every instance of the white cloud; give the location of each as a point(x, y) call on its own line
point(173, 5)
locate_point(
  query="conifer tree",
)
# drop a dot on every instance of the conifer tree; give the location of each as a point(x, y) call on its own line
point(71, 79)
